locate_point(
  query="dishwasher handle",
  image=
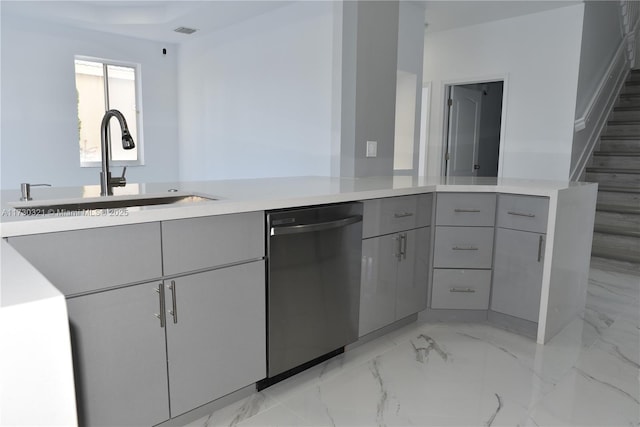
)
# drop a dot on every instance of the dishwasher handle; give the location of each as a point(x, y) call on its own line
point(318, 226)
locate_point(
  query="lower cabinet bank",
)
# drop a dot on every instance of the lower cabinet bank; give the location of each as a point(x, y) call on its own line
point(150, 345)
point(169, 316)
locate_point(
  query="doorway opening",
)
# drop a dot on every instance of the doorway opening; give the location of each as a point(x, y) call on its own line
point(473, 114)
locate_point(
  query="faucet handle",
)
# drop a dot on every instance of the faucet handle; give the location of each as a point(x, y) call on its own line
point(25, 188)
point(119, 181)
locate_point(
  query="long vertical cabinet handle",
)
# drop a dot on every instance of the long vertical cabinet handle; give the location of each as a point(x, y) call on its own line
point(174, 301)
point(540, 241)
point(398, 239)
point(403, 246)
point(160, 291)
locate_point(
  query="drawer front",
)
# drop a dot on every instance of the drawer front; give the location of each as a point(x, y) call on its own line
point(393, 214)
point(461, 289)
point(526, 213)
point(196, 243)
point(463, 247)
point(87, 260)
point(466, 209)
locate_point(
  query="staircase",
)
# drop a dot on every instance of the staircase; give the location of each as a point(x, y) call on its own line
point(616, 169)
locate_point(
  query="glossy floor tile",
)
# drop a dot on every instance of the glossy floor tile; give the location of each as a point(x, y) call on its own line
point(437, 374)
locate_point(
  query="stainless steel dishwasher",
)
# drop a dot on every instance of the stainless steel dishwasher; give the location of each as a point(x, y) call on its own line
point(313, 286)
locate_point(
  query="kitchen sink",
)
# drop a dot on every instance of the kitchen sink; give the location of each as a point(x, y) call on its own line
point(51, 207)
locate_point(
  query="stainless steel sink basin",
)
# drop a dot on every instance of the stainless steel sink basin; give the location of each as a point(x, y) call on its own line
point(49, 208)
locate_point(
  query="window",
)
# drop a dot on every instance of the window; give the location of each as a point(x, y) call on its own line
point(101, 86)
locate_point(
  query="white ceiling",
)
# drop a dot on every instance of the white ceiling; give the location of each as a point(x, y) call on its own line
point(156, 20)
point(150, 19)
point(444, 15)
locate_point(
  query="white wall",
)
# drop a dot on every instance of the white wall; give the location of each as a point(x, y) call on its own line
point(538, 54)
point(602, 39)
point(601, 36)
point(39, 125)
point(256, 98)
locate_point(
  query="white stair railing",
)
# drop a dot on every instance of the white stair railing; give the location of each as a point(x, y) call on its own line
point(630, 10)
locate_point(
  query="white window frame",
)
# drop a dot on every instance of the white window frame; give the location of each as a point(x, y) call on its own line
point(139, 138)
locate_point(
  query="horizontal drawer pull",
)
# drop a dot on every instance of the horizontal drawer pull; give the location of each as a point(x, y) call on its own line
point(403, 214)
point(470, 248)
point(463, 290)
point(528, 215)
point(466, 210)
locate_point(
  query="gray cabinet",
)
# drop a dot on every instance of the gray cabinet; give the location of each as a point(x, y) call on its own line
point(413, 271)
point(394, 214)
point(198, 243)
point(517, 273)
point(519, 255)
point(215, 333)
point(463, 251)
point(394, 278)
point(378, 282)
point(463, 247)
point(134, 365)
point(461, 289)
point(119, 356)
point(395, 259)
point(82, 261)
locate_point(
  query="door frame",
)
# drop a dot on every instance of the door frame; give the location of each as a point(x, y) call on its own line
point(445, 89)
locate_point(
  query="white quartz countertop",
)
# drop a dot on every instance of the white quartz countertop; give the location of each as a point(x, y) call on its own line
point(233, 196)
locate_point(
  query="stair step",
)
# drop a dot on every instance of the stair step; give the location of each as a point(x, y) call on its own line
point(615, 265)
point(624, 248)
point(616, 160)
point(618, 230)
point(628, 100)
point(614, 177)
point(629, 221)
point(615, 189)
point(617, 171)
point(617, 201)
point(618, 209)
point(622, 128)
point(634, 76)
point(613, 143)
point(617, 153)
point(631, 87)
point(625, 113)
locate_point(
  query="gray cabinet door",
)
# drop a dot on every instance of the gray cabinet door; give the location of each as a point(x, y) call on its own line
point(413, 270)
point(517, 273)
point(86, 260)
point(200, 243)
point(216, 344)
point(120, 358)
point(378, 282)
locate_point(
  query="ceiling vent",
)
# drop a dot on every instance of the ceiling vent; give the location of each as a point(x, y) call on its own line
point(185, 30)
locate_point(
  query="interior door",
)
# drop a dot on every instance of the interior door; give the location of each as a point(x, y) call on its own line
point(464, 131)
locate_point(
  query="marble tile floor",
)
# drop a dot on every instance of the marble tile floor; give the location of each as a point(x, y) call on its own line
point(436, 374)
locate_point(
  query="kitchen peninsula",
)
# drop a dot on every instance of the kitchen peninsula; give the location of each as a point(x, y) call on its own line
point(558, 216)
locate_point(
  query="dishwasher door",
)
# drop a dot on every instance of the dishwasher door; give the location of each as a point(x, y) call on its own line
point(313, 287)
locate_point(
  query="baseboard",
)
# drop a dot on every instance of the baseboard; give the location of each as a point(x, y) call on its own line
point(513, 324)
point(208, 408)
point(450, 315)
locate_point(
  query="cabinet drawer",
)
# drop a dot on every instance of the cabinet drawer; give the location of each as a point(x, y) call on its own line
point(461, 289)
point(81, 261)
point(526, 213)
point(466, 209)
point(384, 216)
point(463, 247)
point(196, 243)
